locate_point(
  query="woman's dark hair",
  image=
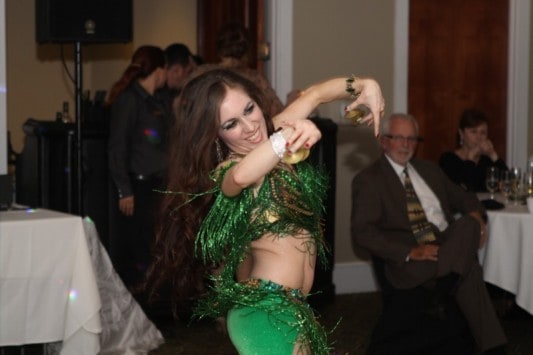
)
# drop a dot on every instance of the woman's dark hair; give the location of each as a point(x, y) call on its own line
point(471, 118)
point(233, 41)
point(193, 157)
point(144, 62)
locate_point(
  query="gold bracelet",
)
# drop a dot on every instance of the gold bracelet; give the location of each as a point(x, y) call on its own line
point(349, 88)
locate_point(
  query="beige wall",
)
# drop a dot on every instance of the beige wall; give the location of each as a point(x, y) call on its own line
point(38, 84)
point(530, 114)
point(338, 38)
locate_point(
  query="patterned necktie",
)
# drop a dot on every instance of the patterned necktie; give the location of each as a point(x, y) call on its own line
point(422, 229)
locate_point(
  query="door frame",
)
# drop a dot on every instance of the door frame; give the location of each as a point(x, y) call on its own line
point(279, 70)
point(3, 91)
point(278, 27)
point(518, 87)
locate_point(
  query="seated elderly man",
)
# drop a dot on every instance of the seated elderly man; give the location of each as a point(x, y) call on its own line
point(403, 212)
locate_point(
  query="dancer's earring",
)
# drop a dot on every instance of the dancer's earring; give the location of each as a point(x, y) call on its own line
point(220, 154)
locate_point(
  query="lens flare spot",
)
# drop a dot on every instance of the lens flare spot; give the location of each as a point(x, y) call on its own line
point(152, 135)
point(73, 295)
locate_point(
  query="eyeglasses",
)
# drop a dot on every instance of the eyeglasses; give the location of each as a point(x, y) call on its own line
point(402, 139)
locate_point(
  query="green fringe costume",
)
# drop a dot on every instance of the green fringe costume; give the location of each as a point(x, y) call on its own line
point(289, 200)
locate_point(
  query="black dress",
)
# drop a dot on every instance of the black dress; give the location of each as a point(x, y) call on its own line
point(469, 175)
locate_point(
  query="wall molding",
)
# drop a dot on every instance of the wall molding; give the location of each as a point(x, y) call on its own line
point(279, 34)
point(3, 91)
point(354, 277)
point(518, 83)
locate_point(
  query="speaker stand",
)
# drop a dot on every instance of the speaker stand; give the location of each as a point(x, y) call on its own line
point(78, 140)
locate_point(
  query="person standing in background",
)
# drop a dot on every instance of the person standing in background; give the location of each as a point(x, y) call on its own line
point(137, 160)
point(180, 63)
point(233, 47)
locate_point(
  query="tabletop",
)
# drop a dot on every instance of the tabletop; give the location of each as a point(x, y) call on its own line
point(58, 285)
point(507, 257)
point(48, 289)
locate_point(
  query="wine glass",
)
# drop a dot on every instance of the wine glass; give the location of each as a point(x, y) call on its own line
point(491, 180)
point(528, 182)
point(516, 176)
point(506, 184)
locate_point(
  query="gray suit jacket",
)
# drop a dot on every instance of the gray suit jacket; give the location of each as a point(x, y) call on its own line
point(379, 220)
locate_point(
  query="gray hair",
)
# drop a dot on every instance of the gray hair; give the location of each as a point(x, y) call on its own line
point(385, 124)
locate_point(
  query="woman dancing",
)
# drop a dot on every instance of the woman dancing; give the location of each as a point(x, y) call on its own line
point(240, 212)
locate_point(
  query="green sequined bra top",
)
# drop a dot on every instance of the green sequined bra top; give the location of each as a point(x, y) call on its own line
point(289, 200)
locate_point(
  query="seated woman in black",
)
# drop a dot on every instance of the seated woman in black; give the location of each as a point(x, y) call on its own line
point(467, 165)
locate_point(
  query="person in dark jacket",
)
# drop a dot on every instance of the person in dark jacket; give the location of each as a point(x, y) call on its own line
point(137, 159)
point(403, 212)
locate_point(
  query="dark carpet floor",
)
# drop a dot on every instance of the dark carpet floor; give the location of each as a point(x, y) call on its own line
point(358, 314)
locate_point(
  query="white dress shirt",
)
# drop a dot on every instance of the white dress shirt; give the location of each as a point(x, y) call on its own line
point(429, 201)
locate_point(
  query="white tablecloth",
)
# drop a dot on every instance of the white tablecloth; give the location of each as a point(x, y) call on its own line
point(125, 328)
point(48, 289)
point(57, 285)
point(507, 257)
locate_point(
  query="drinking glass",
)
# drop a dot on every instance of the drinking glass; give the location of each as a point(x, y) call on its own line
point(505, 184)
point(528, 182)
point(516, 177)
point(491, 180)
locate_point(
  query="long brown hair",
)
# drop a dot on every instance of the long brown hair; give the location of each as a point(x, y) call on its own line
point(144, 62)
point(193, 157)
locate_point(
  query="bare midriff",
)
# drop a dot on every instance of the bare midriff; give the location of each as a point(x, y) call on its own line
point(288, 261)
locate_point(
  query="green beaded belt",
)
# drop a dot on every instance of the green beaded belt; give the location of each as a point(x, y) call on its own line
point(274, 287)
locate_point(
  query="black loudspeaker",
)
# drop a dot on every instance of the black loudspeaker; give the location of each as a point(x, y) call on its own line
point(6, 192)
point(45, 174)
point(88, 21)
